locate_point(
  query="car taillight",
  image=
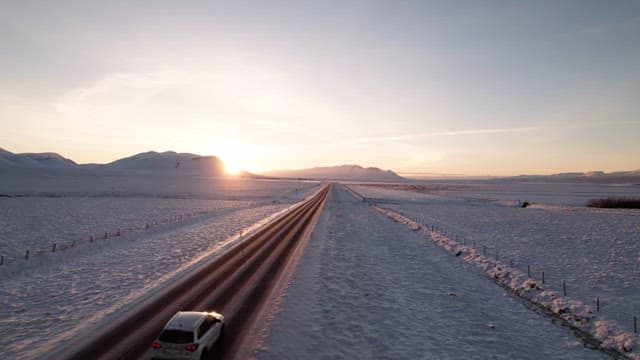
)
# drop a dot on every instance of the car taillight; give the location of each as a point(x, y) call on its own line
point(156, 345)
point(191, 347)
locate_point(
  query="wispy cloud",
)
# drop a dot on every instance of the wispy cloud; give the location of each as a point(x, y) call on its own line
point(472, 132)
point(600, 124)
point(421, 135)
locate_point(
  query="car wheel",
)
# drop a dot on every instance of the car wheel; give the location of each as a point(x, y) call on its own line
point(221, 337)
point(204, 355)
point(218, 347)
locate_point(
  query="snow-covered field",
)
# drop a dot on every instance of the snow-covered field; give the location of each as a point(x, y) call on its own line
point(30, 182)
point(370, 288)
point(54, 297)
point(36, 223)
point(59, 214)
point(595, 252)
point(501, 192)
point(367, 286)
point(550, 194)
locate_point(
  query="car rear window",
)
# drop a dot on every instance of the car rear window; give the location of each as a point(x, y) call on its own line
point(176, 336)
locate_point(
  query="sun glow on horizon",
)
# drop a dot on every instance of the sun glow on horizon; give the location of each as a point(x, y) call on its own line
point(236, 158)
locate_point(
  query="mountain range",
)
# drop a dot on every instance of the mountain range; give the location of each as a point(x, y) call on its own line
point(170, 162)
point(590, 177)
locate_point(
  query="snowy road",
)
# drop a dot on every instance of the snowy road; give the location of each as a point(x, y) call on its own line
point(51, 299)
point(236, 283)
point(368, 287)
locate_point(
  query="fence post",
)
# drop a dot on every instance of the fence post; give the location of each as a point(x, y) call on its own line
point(564, 288)
point(54, 248)
point(597, 304)
point(528, 270)
point(635, 325)
point(1, 259)
point(26, 256)
point(543, 277)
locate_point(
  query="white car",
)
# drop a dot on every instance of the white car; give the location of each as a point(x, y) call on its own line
point(189, 335)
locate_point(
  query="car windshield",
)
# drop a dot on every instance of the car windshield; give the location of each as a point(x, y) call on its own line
point(176, 336)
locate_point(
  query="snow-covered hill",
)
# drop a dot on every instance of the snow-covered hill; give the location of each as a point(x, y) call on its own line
point(170, 161)
point(33, 160)
point(51, 160)
point(342, 172)
point(152, 161)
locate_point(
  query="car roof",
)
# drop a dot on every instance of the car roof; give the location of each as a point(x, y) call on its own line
point(185, 320)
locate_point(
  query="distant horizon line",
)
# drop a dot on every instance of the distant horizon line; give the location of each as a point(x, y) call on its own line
point(427, 175)
point(406, 174)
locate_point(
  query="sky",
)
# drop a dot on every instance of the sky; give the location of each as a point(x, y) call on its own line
point(419, 87)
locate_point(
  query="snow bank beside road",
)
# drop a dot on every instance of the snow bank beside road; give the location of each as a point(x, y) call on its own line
point(609, 334)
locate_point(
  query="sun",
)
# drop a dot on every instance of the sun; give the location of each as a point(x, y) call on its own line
point(236, 158)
